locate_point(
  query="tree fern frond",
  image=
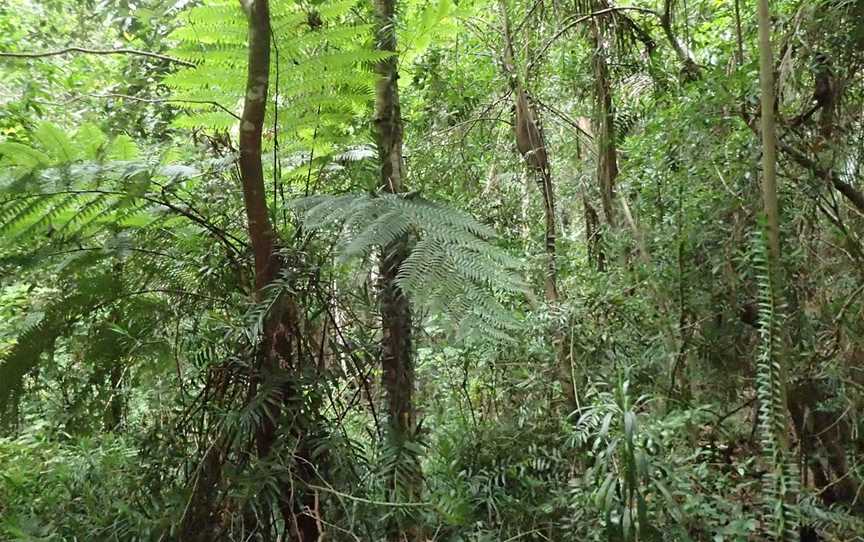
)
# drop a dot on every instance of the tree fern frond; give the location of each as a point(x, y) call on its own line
point(56, 143)
point(38, 338)
point(452, 268)
point(122, 147)
point(383, 231)
point(324, 84)
point(19, 159)
point(91, 140)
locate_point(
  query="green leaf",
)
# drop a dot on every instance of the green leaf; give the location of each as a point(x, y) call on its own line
point(55, 142)
point(21, 159)
point(122, 148)
point(91, 140)
point(629, 426)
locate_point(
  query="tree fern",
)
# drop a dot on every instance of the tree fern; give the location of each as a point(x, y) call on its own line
point(50, 194)
point(453, 268)
point(39, 337)
point(781, 483)
point(321, 81)
point(69, 205)
point(435, 19)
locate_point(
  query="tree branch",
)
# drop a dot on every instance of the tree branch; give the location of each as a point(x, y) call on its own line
point(83, 50)
point(684, 54)
point(855, 197)
point(581, 19)
point(166, 100)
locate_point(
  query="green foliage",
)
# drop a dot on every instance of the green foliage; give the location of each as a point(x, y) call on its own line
point(59, 198)
point(453, 268)
point(781, 485)
point(53, 490)
point(131, 338)
point(624, 473)
point(39, 337)
point(321, 79)
point(58, 187)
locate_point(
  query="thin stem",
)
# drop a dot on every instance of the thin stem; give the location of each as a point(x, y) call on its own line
point(86, 51)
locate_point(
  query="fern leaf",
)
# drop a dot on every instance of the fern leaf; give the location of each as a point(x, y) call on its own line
point(781, 490)
point(55, 142)
point(452, 267)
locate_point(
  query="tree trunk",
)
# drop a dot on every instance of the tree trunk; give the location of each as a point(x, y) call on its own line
point(280, 346)
point(114, 413)
point(689, 68)
point(396, 348)
point(769, 137)
point(772, 381)
point(604, 129)
point(769, 169)
point(261, 233)
point(532, 146)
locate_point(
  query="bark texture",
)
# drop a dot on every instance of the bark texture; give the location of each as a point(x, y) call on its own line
point(769, 137)
point(261, 233)
point(604, 129)
point(397, 364)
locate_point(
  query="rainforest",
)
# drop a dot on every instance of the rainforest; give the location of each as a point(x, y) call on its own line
point(431, 270)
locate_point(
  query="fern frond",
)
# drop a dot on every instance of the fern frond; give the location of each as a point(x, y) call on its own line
point(453, 268)
point(39, 338)
point(781, 485)
point(56, 143)
point(325, 82)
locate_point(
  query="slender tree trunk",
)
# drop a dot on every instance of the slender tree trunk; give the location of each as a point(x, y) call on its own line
point(781, 517)
point(396, 349)
point(261, 233)
point(769, 167)
point(593, 236)
point(769, 135)
point(604, 129)
point(114, 414)
point(532, 146)
point(280, 345)
point(117, 400)
point(689, 68)
point(769, 158)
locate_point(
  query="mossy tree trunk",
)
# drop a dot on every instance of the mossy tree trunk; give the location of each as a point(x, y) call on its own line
point(397, 362)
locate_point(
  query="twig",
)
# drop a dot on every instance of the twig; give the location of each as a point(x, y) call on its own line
point(722, 418)
point(578, 20)
point(845, 307)
point(59, 52)
point(165, 100)
point(369, 501)
point(527, 16)
point(855, 197)
point(564, 117)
